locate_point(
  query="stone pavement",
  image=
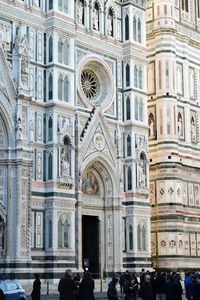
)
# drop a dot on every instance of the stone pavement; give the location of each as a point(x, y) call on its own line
point(98, 296)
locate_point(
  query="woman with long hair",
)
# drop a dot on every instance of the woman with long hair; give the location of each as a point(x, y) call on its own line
point(86, 287)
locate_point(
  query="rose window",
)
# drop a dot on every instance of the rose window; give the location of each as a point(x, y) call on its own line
point(90, 84)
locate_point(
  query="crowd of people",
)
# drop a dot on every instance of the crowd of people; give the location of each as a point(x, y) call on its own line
point(154, 286)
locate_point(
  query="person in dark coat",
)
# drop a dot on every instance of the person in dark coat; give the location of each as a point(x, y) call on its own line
point(173, 288)
point(35, 295)
point(160, 285)
point(146, 292)
point(2, 296)
point(86, 287)
point(112, 290)
point(122, 283)
point(67, 286)
point(130, 289)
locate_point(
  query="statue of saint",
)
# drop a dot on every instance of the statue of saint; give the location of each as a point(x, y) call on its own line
point(151, 128)
point(80, 8)
point(19, 131)
point(109, 25)
point(141, 176)
point(180, 127)
point(193, 131)
point(65, 166)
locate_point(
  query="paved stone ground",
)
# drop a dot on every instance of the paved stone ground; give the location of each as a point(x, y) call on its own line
point(98, 296)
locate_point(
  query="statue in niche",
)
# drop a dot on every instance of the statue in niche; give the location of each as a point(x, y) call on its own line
point(95, 19)
point(80, 8)
point(193, 130)
point(109, 25)
point(90, 184)
point(180, 126)
point(151, 126)
point(65, 166)
point(141, 175)
point(19, 131)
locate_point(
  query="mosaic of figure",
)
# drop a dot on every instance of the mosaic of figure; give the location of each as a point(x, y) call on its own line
point(90, 184)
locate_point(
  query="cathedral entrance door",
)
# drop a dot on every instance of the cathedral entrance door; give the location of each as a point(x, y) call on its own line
point(90, 244)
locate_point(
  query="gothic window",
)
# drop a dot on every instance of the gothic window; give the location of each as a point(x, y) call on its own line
point(50, 129)
point(134, 29)
point(110, 23)
point(50, 86)
point(49, 232)
point(193, 129)
point(66, 88)
point(127, 75)
point(129, 179)
point(2, 228)
point(130, 237)
point(95, 18)
point(128, 145)
point(50, 4)
point(179, 76)
point(50, 49)
point(141, 110)
point(63, 234)
point(128, 108)
point(50, 166)
point(139, 30)
point(136, 109)
point(63, 5)
point(140, 78)
point(192, 83)
point(142, 237)
point(60, 51)
point(63, 51)
point(135, 76)
point(127, 27)
point(63, 88)
point(185, 5)
point(60, 89)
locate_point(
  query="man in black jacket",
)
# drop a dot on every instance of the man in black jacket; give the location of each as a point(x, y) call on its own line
point(146, 292)
point(67, 286)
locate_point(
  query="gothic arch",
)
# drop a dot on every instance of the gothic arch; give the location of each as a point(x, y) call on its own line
point(8, 122)
point(106, 171)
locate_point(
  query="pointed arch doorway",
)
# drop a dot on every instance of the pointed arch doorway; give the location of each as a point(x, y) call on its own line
point(97, 190)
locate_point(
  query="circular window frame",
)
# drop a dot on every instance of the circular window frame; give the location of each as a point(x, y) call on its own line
point(104, 75)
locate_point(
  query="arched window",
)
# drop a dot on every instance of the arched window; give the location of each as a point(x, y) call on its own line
point(139, 238)
point(50, 49)
point(66, 89)
point(185, 5)
point(144, 238)
point(141, 108)
point(135, 76)
point(50, 4)
point(63, 234)
point(130, 237)
point(60, 87)
point(151, 123)
point(50, 129)
point(129, 145)
point(136, 109)
point(49, 226)
point(140, 77)
point(60, 51)
point(63, 5)
point(50, 87)
point(50, 166)
point(134, 29)
point(139, 31)
point(129, 177)
point(128, 108)
point(66, 52)
point(127, 75)
point(127, 27)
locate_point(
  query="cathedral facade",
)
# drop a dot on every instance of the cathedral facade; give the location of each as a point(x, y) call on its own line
point(74, 158)
point(173, 42)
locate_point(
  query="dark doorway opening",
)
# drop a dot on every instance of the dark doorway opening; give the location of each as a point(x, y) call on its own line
point(90, 244)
